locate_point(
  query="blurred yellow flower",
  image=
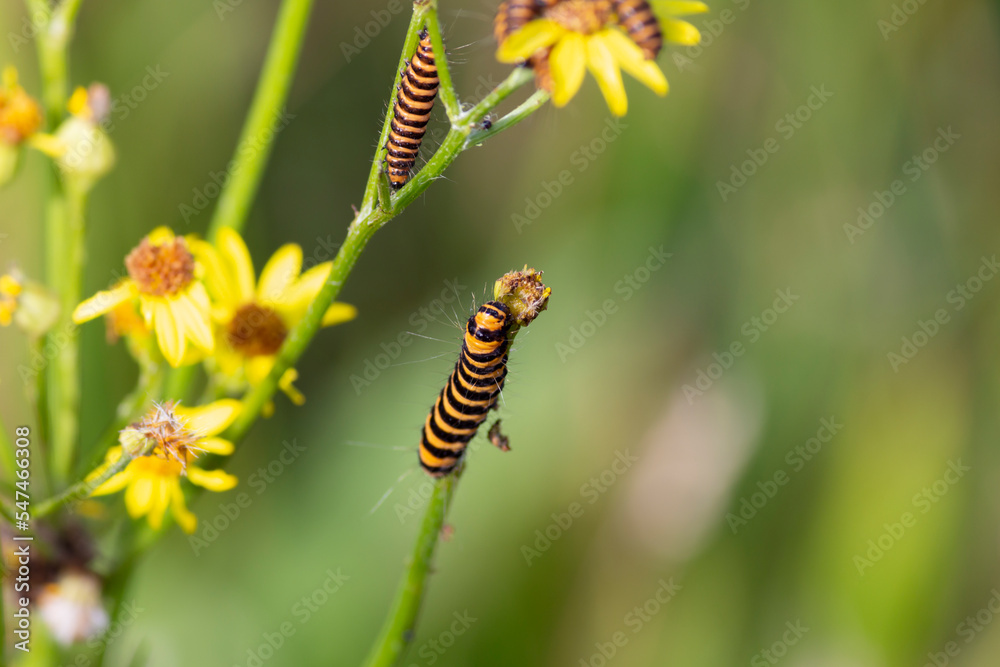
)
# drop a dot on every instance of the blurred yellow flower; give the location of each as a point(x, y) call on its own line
point(20, 118)
point(574, 36)
point(80, 146)
point(254, 317)
point(172, 300)
point(152, 483)
point(10, 289)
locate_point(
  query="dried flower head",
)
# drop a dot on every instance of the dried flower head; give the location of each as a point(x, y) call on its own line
point(523, 293)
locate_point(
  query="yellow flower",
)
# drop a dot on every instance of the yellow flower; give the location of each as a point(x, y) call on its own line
point(10, 290)
point(254, 317)
point(20, 118)
point(80, 146)
point(574, 36)
point(20, 115)
point(172, 300)
point(153, 483)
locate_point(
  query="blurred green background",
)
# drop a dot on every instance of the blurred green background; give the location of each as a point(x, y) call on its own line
point(799, 556)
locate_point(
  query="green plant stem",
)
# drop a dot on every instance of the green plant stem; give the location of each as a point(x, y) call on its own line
point(257, 137)
point(64, 395)
point(400, 625)
point(64, 231)
point(448, 95)
point(8, 463)
point(85, 487)
point(525, 109)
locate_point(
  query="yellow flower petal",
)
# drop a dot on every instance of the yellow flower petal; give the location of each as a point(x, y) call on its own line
point(207, 420)
point(217, 277)
point(525, 42)
point(104, 301)
point(114, 484)
point(568, 64)
point(286, 385)
point(300, 295)
point(213, 480)
point(603, 66)
point(279, 274)
point(234, 252)
point(191, 322)
point(168, 333)
point(139, 497)
point(257, 368)
point(679, 7)
point(160, 235)
point(338, 313)
point(633, 61)
point(185, 519)
point(680, 32)
point(216, 446)
point(160, 502)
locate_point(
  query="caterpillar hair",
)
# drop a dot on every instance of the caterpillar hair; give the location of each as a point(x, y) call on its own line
point(471, 391)
point(411, 112)
point(638, 20)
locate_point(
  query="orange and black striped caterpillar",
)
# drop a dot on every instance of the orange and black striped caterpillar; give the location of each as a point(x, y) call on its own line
point(471, 391)
point(411, 112)
point(639, 21)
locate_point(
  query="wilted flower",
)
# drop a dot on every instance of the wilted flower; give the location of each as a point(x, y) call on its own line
point(71, 607)
point(172, 300)
point(27, 304)
point(80, 146)
point(255, 317)
point(152, 483)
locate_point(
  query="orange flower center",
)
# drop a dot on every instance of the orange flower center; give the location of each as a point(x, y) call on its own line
point(256, 330)
point(582, 16)
point(161, 270)
point(20, 116)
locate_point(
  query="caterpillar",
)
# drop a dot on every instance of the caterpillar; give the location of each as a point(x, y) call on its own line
point(411, 112)
point(512, 15)
point(471, 391)
point(639, 21)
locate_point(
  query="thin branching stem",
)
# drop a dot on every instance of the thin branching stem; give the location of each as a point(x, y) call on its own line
point(400, 625)
point(447, 92)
